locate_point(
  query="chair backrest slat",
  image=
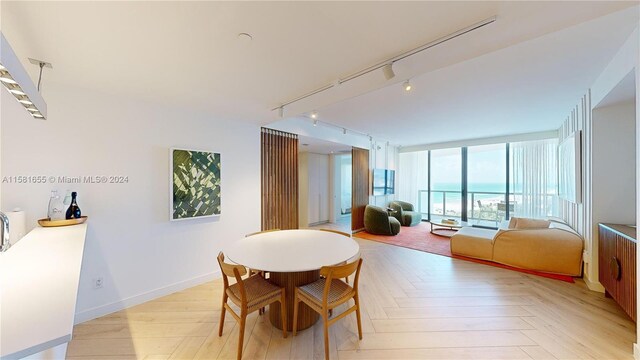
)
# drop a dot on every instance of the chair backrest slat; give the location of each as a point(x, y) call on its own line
point(340, 271)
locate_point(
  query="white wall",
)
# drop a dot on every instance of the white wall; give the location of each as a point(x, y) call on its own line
point(613, 179)
point(130, 242)
point(614, 175)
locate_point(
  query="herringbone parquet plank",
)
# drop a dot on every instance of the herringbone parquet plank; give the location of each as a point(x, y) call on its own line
point(415, 306)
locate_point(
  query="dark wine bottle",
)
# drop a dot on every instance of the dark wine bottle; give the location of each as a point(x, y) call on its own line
point(73, 212)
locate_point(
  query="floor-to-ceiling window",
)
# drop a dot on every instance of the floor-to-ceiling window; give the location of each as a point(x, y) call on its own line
point(486, 184)
point(482, 184)
point(446, 184)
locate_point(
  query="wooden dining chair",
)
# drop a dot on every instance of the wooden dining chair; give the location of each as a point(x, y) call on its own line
point(262, 273)
point(249, 295)
point(327, 293)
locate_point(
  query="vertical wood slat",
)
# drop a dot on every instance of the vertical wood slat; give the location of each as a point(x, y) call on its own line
point(279, 179)
point(360, 187)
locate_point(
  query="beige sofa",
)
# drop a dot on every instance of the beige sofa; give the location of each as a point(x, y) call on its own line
point(542, 245)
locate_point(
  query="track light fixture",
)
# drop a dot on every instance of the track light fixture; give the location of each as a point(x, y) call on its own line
point(387, 65)
point(281, 111)
point(387, 70)
point(14, 77)
point(344, 131)
point(407, 86)
point(315, 122)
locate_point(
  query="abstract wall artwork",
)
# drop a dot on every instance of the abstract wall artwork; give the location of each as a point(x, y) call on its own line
point(195, 184)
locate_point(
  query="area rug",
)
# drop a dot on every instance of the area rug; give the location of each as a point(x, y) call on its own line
point(420, 238)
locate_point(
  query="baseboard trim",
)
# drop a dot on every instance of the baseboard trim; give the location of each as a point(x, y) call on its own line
point(636, 351)
point(106, 309)
point(593, 285)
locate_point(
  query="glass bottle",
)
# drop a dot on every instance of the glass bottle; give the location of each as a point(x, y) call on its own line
point(73, 212)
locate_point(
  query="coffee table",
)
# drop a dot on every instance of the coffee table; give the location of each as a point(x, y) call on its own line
point(446, 230)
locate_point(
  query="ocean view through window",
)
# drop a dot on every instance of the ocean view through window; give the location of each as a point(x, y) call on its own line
point(482, 184)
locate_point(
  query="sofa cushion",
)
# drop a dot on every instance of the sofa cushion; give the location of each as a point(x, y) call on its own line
point(473, 242)
point(526, 223)
point(550, 250)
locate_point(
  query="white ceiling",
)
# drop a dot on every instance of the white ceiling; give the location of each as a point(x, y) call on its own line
point(317, 146)
point(187, 54)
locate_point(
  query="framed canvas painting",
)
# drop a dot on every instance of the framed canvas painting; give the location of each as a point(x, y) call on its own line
point(195, 184)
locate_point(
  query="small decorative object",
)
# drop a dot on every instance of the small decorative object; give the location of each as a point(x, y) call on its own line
point(195, 184)
point(67, 199)
point(450, 221)
point(56, 208)
point(73, 212)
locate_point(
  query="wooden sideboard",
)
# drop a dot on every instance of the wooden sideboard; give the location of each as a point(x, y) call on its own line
point(617, 264)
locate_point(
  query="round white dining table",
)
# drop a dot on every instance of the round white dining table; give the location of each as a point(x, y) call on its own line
point(292, 258)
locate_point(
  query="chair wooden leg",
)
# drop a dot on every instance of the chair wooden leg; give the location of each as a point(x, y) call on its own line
point(295, 313)
point(357, 301)
point(325, 318)
point(243, 320)
point(283, 312)
point(222, 312)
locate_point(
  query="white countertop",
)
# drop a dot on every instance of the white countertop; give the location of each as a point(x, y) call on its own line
point(291, 250)
point(39, 279)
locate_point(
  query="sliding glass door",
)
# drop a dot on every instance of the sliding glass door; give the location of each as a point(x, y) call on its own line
point(486, 184)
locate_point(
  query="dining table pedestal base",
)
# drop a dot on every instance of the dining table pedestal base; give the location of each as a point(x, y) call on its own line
point(291, 280)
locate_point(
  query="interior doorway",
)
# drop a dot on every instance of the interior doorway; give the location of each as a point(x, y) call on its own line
point(324, 176)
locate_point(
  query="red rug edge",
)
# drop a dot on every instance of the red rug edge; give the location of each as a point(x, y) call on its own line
point(565, 278)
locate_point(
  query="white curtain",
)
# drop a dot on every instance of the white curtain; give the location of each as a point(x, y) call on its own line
point(412, 177)
point(534, 178)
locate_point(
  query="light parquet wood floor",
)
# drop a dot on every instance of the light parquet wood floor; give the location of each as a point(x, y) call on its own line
point(415, 306)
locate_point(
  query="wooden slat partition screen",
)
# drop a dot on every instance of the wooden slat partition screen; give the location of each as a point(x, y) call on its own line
point(279, 172)
point(360, 187)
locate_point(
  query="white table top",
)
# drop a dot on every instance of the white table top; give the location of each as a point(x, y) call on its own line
point(291, 250)
point(39, 282)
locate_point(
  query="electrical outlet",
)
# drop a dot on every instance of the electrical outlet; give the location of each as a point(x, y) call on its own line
point(98, 282)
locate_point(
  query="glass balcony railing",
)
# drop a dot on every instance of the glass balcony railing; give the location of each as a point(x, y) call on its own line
point(483, 207)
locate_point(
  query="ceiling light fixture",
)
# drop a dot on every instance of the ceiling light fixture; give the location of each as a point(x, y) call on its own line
point(245, 36)
point(315, 122)
point(25, 100)
point(344, 131)
point(17, 81)
point(314, 114)
point(16, 91)
point(387, 70)
point(6, 78)
point(388, 63)
point(281, 111)
point(407, 86)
